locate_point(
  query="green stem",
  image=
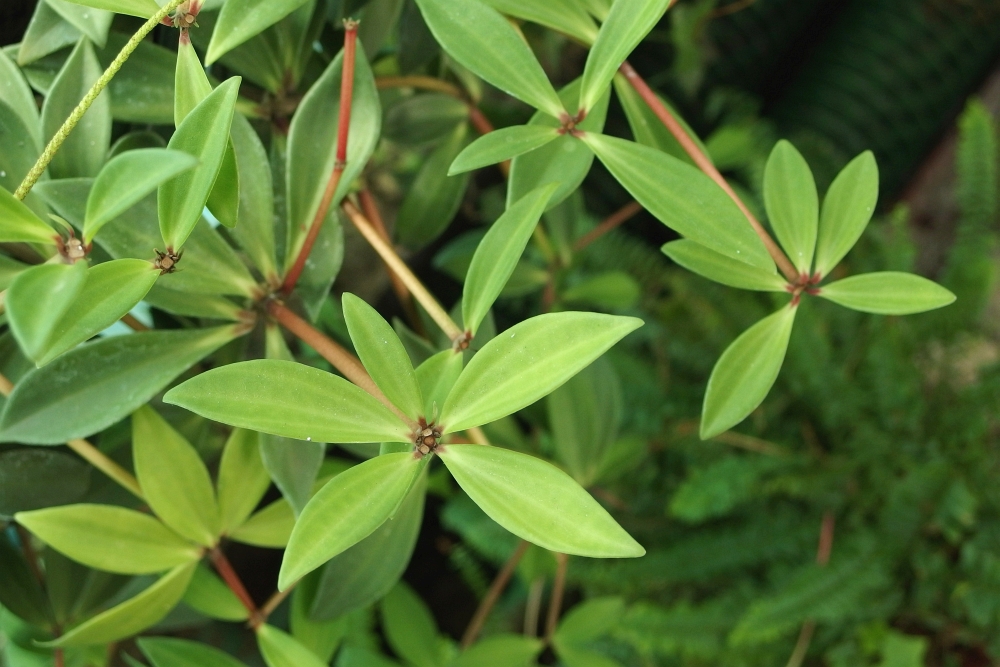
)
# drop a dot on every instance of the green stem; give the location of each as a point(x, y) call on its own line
point(60, 136)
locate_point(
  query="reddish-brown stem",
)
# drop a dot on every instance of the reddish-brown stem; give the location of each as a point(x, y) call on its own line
point(340, 160)
point(133, 323)
point(228, 574)
point(421, 82)
point(24, 537)
point(555, 604)
point(492, 595)
point(58, 657)
point(616, 219)
point(825, 539)
point(705, 164)
point(822, 559)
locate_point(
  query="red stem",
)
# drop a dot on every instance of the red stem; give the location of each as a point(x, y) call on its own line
point(619, 217)
point(228, 574)
point(340, 161)
point(555, 604)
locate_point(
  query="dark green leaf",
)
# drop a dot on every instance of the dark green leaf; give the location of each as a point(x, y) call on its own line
point(847, 208)
point(424, 118)
point(20, 99)
point(20, 591)
point(47, 33)
point(888, 293)
point(609, 290)
point(321, 637)
point(32, 479)
point(255, 231)
point(410, 628)
point(240, 20)
point(141, 8)
point(293, 465)
point(792, 204)
point(589, 620)
point(722, 269)
point(143, 89)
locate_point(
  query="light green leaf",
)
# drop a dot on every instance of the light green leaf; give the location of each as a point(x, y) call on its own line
point(888, 293)
point(83, 152)
point(482, 40)
point(537, 502)
point(135, 614)
point(18, 96)
point(566, 16)
point(682, 198)
point(528, 361)
point(173, 478)
point(291, 400)
point(436, 376)
point(745, 372)
point(240, 20)
point(498, 254)
point(94, 23)
point(576, 656)
point(51, 405)
point(38, 298)
point(722, 269)
point(410, 628)
point(243, 480)
point(501, 650)
point(141, 8)
point(171, 652)
point(191, 84)
point(19, 223)
point(792, 203)
point(110, 538)
point(627, 23)
point(647, 128)
point(209, 595)
point(280, 649)
point(501, 145)
point(847, 208)
point(383, 356)
point(589, 620)
point(345, 511)
point(271, 527)
point(204, 133)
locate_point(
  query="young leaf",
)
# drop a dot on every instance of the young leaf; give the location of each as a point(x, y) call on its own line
point(888, 293)
point(289, 399)
point(126, 179)
point(240, 20)
point(627, 23)
point(204, 133)
point(565, 16)
point(345, 511)
point(498, 254)
point(847, 208)
point(171, 652)
point(280, 649)
point(270, 527)
point(537, 502)
point(141, 8)
point(38, 298)
point(482, 40)
point(50, 405)
point(528, 361)
point(109, 538)
point(19, 223)
point(243, 480)
point(20, 591)
point(410, 628)
point(745, 372)
point(792, 203)
point(383, 356)
point(173, 478)
point(501, 145)
point(501, 650)
point(712, 265)
point(436, 376)
point(209, 595)
point(682, 198)
point(191, 84)
point(135, 614)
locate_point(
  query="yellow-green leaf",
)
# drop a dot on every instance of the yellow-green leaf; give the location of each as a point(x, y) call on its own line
point(243, 480)
point(722, 269)
point(847, 208)
point(792, 203)
point(888, 293)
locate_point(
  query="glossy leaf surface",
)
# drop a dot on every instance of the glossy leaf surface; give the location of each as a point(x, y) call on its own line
point(792, 204)
point(847, 208)
point(141, 8)
point(888, 293)
point(38, 298)
point(19, 223)
point(20, 590)
point(240, 20)
point(722, 269)
point(502, 144)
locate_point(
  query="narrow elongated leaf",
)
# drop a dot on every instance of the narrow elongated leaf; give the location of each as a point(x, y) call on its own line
point(270, 527)
point(52, 405)
point(888, 293)
point(498, 254)
point(410, 628)
point(578, 656)
point(280, 649)
point(289, 399)
point(722, 269)
point(243, 480)
point(647, 128)
point(501, 145)
point(240, 20)
point(19, 223)
point(482, 40)
point(255, 231)
point(92, 23)
point(526, 362)
point(293, 465)
point(143, 90)
point(171, 652)
point(18, 96)
point(847, 208)
point(682, 198)
point(537, 502)
point(502, 650)
point(745, 372)
point(110, 538)
point(204, 133)
point(32, 478)
point(135, 614)
point(141, 8)
point(47, 33)
point(627, 23)
point(345, 511)
point(566, 16)
point(173, 478)
point(191, 84)
point(38, 298)
point(20, 591)
point(589, 621)
point(437, 375)
point(423, 119)
point(127, 179)
point(209, 595)
point(383, 356)
point(792, 203)
point(111, 290)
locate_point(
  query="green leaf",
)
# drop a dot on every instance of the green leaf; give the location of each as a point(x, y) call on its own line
point(18, 223)
point(240, 20)
point(143, 90)
point(566, 16)
point(483, 41)
point(33, 478)
point(608, 290)
point(110, 538)
point(47, 33)
point(203, 133)
point(528, 361)
point(20, 99)
point(498, 254)
point(141, 8)
point(576, 656)
point(173, 478)
point(280, 649)
point(321, 637)
point(191, 84)
point(52, 405)
point(345, 511)
point(20, 591)
point(537, 502)
point(424, 118)
point(792, 203)
point(243, 480)
point(135, 614)
point(437, 375)
point(171, 652)
point(38, 298)
point(92, 23)
point(18, 152)
point(588, 621)
point(722, 269)
point(647, 128)
point(888, 293)
point(293, 465)
point(270, 527)
point(847, 208)
point(289, 399)
point(383, 356)
point(126, 179)
point(410, 628)
point(255, 231)
point(501, 650)
point(627, 23)
point(209, 595)
point(682, 198)
point(501, 145)
point(745, 372)
point(83, 151)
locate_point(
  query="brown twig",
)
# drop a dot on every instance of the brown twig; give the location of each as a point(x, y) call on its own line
point(133, 323)
point(340, 161)
point(533, 607)
point(228, 574)
point(705, 164)
point(555, 604)
point(616, 219)
point(492, 595)
point(823, 550)
point(276, 599)
point(58, 657)
point(731, 8)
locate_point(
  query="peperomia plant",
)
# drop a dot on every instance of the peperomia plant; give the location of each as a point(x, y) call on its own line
point(230, 227)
